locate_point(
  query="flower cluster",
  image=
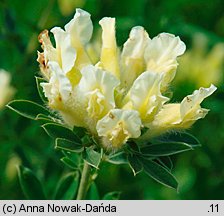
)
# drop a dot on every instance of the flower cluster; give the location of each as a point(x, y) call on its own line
point(124, 91)
point(6, 90)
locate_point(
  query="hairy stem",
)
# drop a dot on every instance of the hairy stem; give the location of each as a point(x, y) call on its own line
point(84, 182)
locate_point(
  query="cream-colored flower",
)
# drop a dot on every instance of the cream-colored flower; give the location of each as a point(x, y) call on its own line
point(109, 52)
point(118, 126)
point(80, 29)
point(97, 87)
point(132, 56)
point(145, 96)
point(6, 90)
point(161, 54)
point(59, 88)
point(122, 92)
point(69, 51)
point(64, 53)
point(180, 115)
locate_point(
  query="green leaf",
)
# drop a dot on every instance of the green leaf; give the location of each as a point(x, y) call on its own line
point(67, 145)
point(30, 185)
point(73, 156)
point(87, 140)
point(79, 131)
point(40, 88)
point(83, 134)
point(58, 131)
point(27, 108)
point(43, 119)
point(182, 137)
point(117, 158)
point(166, 162)
point(42, 116)
point(135, 164)
point(67, 187)
point(115, 195)
point(68, 162)
point(133, 147)
point(165, 149)
point(92, 157)
point(93, 193)
point(159, 173)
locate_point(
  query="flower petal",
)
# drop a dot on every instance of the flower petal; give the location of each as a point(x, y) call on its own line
point(132, 56)
point(97, 87)
point(109, 58)
point(180, 115)
point(161, 54)
point(49, 50)
point(118, 126)
point(59, 88)
point(66, 53)
point(190, 106)
point(49, 53)
point(80, 29)
point(135, 46)
point(145, 95)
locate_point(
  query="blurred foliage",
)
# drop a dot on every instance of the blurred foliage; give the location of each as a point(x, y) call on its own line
point(200, 173)
point(206, 65)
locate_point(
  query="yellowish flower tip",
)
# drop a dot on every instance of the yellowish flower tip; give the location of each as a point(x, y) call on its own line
point(179, 116)
point(121, 93)
point(6, 90)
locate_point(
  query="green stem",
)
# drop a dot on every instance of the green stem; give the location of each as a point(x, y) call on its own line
point(84, 182)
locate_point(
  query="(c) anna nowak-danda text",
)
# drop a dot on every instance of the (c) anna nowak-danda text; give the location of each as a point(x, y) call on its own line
point(67, 208)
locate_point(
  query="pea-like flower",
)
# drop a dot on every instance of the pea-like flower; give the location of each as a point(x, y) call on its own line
point(6, 90)
point(180, 115)
point(123, 92)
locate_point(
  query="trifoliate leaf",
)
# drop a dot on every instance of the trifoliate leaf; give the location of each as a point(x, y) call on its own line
point(166, 162)
point(43, 119)
point(69, 163)
point(159, 173)
point(67, 145)
point(117, 158)
point(165, 149)
point(92, 157)
point(73, 156)
point(79, 131)
point(58, 131)
point(135, 164)
point(182, 137)
point(27, 108)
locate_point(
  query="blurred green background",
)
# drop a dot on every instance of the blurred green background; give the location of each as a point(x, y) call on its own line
point(199, 23)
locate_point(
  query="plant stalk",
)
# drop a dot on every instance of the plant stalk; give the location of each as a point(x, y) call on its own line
point(84, 182)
